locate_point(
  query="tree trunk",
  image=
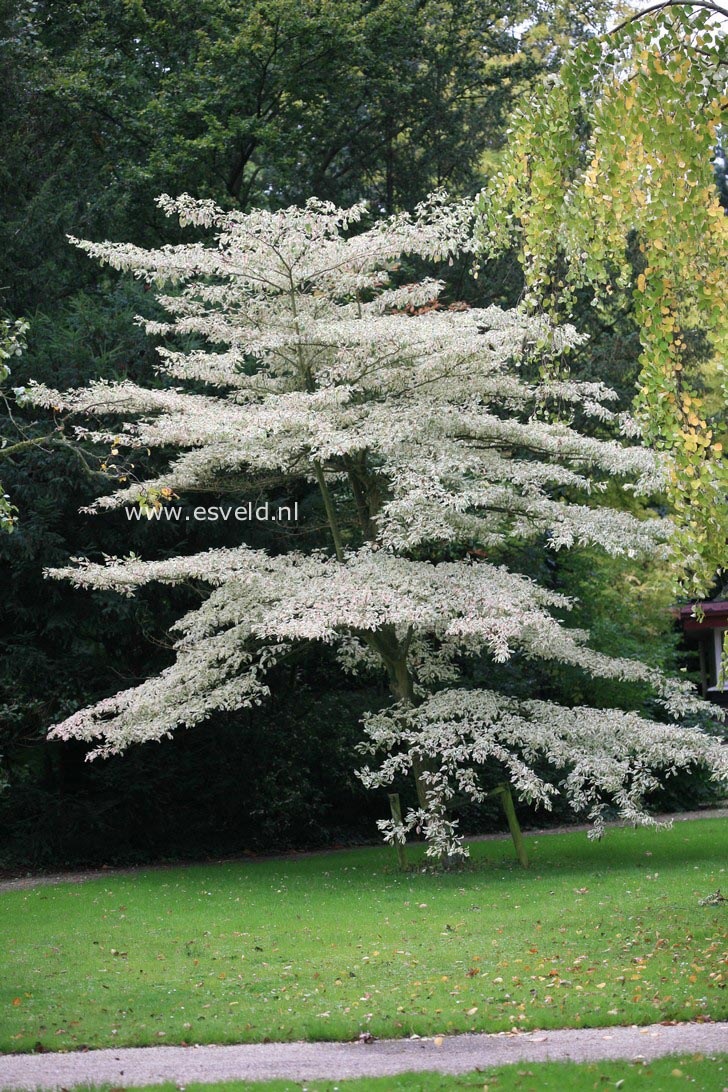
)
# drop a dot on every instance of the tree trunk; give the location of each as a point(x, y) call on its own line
point(396, 809)
point(504, 791)
point(402, 686)
point(394, 655)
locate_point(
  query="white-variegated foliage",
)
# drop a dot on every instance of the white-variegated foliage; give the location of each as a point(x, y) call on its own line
point(424, 430)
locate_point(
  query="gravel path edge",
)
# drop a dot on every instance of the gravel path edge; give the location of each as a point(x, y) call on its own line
point(136, 1066)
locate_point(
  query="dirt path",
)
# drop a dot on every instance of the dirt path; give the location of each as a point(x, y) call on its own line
point(334, 1061)
point(27, 880)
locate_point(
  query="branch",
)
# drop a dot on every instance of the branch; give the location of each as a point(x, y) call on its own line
point(708, 5)
point(22, 445)
point(330, 510)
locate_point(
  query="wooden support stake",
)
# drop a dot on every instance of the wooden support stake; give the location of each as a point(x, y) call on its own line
point(396, 809)
point(513, 825)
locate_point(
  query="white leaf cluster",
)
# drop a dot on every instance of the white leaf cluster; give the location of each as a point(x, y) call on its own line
point(605, 758)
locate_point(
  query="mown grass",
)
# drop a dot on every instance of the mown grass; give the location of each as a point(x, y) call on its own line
point(702, 1074)
point(327, 947)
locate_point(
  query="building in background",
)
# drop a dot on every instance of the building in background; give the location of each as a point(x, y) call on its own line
point(706, 629)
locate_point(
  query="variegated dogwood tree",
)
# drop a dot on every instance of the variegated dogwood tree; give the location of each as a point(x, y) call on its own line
point(429, 435)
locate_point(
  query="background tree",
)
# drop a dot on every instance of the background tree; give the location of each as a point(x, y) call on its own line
point(620, 196)
point(12, 342)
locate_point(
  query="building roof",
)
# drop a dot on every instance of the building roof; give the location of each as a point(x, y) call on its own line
point(714, 616)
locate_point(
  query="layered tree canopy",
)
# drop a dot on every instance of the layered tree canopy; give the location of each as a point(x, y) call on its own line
point(429, 432)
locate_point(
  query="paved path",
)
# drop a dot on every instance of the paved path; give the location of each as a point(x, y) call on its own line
point(26, 881)
point(335, 1061)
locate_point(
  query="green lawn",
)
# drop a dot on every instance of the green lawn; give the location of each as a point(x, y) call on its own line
point(703, 1074)
point(325, 947)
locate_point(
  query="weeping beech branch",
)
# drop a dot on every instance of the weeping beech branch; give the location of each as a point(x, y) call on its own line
point(665, 5)
point(626, 138)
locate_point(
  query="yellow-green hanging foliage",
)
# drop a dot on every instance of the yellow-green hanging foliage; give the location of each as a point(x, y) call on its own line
point(618, 150)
